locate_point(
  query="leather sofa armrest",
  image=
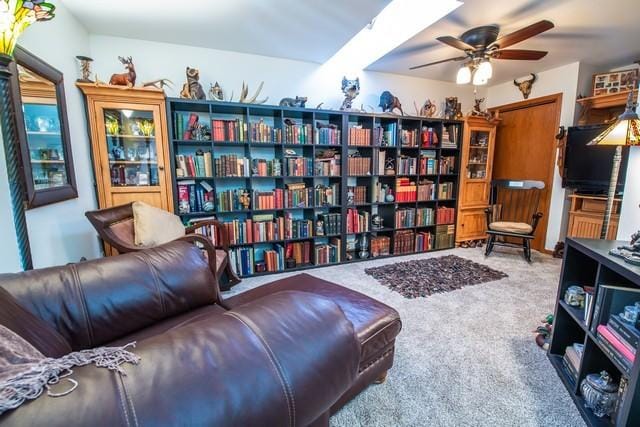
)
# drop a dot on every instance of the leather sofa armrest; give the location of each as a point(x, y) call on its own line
point(281, 360)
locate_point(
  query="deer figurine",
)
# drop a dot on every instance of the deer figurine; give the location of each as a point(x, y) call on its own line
point(125, 79)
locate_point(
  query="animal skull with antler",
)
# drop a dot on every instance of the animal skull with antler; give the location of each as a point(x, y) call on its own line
point(525, 85)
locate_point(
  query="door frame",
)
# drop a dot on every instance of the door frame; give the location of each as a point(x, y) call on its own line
point(528, 103)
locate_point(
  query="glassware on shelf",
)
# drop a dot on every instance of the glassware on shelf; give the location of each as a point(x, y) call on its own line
point(600, 393)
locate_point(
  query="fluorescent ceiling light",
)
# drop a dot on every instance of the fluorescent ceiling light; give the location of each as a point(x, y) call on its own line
point(396, 23)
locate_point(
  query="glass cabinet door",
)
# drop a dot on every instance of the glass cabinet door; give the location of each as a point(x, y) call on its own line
point(44, 139)
point(131, 147)
point(478, 154)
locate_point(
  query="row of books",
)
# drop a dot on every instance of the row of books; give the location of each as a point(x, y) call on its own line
point(450, 136)
point(228, 130)
point(403, 242)
point(357, 221)
point(359, 136)
point(619, 339)
point(380, 245)
point(380, 192)
point(327, 195)
point(405, 218)
point(273, 199)
point(407, 165)
point(445, 215)
point(426, 190)
point(297, 195)
point(357, 194)
point(447, 164)
point(274, 259)
point(194, 197)
point(380, 161)
point(424, 241)
point(327, 166)
point(445, 190)
point(232, 165)
point(329, 224)
point(571, 360)
point(233, 200)
point(406, 190)
point(389, 135)
point(185, 124)
point(298, 166)
point(242, 260)
point(409, 137)
point(300, 252)
point(428, 162)
point(328, 135)
point(264, 132)
point(264, 167)
point(328, 253)
point(198, 165)
point(298, 134)
point(412, 217)
point(359, 165)
point(262, 228)
point(445, 236)
point(428, 137)
point(297, 228)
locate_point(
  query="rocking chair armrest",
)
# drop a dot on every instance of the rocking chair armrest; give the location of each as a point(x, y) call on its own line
point(221, 230)
point(535, 218)
point(488, 212)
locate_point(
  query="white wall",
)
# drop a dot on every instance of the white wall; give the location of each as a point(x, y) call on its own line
point(630, 210)
point(59, 233)
point(282, 77)
point(563, 80)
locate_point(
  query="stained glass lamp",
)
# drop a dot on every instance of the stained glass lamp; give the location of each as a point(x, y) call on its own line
point(625, 131)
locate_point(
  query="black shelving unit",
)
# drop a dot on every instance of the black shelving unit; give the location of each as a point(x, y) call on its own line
point(276, 116)
point(587, 263)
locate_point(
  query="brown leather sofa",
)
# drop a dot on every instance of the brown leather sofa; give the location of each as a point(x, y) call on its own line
point(285, 354)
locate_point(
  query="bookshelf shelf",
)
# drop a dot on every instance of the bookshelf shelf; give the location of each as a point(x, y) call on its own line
point(322, 143)
point(576, 313)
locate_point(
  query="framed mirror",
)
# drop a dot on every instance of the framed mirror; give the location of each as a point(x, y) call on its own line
point(43, 130)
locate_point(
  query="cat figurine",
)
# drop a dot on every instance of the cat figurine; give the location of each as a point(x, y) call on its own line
point(192, 89)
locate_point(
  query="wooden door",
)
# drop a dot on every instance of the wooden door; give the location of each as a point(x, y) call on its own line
point(525, 148)
point(133, 161)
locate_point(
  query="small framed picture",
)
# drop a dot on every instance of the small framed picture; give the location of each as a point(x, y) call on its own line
point(614, 82)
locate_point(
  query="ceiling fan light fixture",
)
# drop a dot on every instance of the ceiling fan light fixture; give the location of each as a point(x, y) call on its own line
point(485, 69)
point(464, 75)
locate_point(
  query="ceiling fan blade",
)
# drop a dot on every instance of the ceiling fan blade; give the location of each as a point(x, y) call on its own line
point(519, 54)
point(454, 42)
point(459, 58)
point(523, 34)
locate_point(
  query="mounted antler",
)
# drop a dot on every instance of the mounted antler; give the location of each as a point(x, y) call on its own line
point(244, 93)
point(525, 85)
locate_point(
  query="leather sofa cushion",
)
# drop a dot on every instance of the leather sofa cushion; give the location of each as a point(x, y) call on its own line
point(95, 302)
point(376, 324)
point(511, 227)
point(32, 329)
point(280, 361)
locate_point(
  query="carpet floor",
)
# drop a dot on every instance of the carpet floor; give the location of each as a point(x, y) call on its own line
point(466, 357)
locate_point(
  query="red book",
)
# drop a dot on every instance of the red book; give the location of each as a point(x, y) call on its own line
point(193, 119)
point(606, 334)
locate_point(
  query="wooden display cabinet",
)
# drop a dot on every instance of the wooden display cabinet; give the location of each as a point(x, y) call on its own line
point(478, 145)
point(130, 146)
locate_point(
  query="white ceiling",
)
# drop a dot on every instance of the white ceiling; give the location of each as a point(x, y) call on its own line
point(598, 32)
point(309, 30)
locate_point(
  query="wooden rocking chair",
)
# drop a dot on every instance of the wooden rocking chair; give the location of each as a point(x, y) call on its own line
point(513, 213)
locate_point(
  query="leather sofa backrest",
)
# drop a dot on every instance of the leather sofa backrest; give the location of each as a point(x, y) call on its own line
point(94, 302)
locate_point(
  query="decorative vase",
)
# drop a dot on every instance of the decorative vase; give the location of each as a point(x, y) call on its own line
point(364, 247)
point(389, 198)
point(600, 393)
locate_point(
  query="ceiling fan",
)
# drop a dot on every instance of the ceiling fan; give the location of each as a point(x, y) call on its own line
point(482, 44)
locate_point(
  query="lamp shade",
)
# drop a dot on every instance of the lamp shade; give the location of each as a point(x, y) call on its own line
point(16, 16)
point(464, 75)
point(624, 131)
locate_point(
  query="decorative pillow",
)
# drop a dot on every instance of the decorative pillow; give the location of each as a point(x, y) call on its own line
point(154, 226)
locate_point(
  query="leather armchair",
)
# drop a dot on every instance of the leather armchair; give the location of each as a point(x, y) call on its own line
point(115, 226)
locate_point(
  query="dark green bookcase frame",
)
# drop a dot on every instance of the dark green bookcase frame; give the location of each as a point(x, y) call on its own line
point(279, 113)
point(587, 262)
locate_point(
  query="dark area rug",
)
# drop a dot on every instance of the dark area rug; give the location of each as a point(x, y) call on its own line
point(424, 277)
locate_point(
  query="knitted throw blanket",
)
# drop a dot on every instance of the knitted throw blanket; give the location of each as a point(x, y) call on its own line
point(25, 372)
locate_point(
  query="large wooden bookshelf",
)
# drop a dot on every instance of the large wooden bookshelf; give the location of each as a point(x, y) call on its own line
point(234, 136)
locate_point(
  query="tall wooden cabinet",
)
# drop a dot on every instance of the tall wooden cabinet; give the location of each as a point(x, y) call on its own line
point(130, 146)
point(475, 178)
